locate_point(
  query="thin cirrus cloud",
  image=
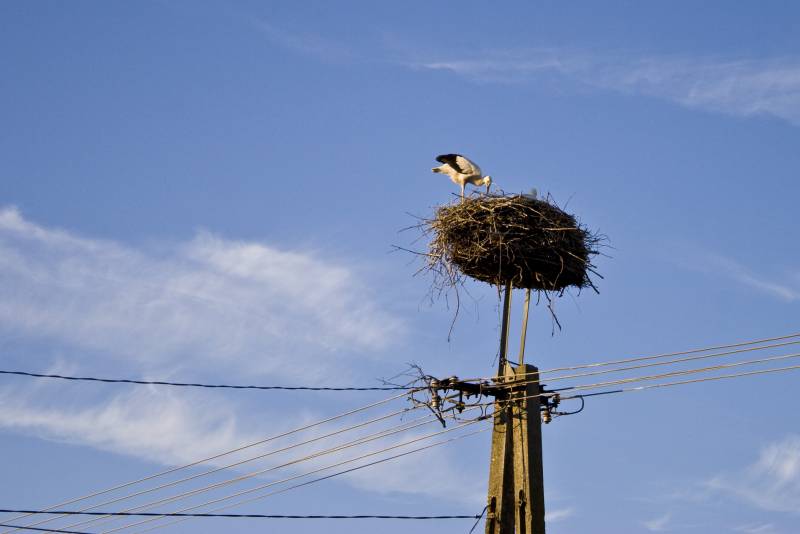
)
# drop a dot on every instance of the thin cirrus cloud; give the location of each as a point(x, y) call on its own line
point(771, 483)
point(658, 524)
point(776, 286)
point(741, 87)
point(559, 514)
point(207, 308)
point(208, 304)
point(756, 528)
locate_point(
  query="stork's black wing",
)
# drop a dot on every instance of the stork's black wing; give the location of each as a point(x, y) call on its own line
point(452, 160)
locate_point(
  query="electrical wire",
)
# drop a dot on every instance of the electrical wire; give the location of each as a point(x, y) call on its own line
point(243, 516)
point(550, 393)
point(339, 473)
point(639, 388)
point(651, 357)
point(301, 475)
point(220, 455)
point(478, 519)
point(658, 364)
point(683, 382)
point(595, 385)
point(18, 527)
point(679, 373)
point(197, 385)
point(383, 433)
point(584, 366)
point(360, 441)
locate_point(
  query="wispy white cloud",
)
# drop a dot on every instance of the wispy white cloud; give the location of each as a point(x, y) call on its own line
point(208, 309)
point(560, 514)
point(746, 87)
point(780, 286)
point(743, 87)
point(738, 272)
point(209, 303)
point(771, 483)
point(155, 425)
point(658, 524)
point(756, 528)
point(302, 42)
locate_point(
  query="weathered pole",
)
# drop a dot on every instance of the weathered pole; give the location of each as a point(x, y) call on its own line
point(527, 451)
point(516, 484)
point(515, 500)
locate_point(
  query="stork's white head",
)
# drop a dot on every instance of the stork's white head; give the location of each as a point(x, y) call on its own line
point(487, 181)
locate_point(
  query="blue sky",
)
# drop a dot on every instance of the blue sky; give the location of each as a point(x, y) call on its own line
point(210, 191)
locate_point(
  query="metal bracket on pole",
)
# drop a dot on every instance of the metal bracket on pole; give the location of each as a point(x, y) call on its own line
point(524, 334)
point(504, 330)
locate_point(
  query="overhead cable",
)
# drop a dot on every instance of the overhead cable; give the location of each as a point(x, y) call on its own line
point(198, 385)
point(236, 516)
point(683, 382)
point(360, 441)
point(220, 455)
point(668, 362)
point(339, 473)
point(657, 356)
point(679, 373)
point(19, 527)
point(301, 475)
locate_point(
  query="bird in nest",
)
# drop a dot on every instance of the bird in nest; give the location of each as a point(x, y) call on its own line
point(462, 171)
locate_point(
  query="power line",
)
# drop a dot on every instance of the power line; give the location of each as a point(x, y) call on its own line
point(656, 386)
point(220, 455)
point(198, 385)
point(360, 441)
point(320, 479)
point(18, 527)
point(669, 362)
point(247, 476)
point(550, 393)
point(514, 383)
point(249, 516)
point(654, 357)
point(683, 382)
point(301, 475)
point(596, 385)
point(680, 373)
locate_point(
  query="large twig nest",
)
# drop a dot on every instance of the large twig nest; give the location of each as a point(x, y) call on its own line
point(498, 239)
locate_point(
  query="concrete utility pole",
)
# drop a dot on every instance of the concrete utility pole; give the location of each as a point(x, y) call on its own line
point(516, 485)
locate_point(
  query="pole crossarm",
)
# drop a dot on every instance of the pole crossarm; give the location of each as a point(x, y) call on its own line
point(479, 389)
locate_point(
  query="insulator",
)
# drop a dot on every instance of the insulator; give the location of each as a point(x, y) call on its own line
point(546, 417)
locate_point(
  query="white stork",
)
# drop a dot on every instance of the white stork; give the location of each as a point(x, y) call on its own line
point(462, 171)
